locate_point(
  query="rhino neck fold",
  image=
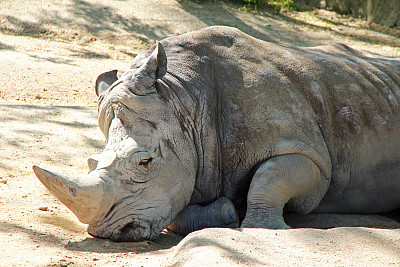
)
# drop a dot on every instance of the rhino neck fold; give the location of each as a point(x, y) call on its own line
point(197, 118)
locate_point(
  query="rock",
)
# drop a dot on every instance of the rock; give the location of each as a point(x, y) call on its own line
point(356, 241)
point(307, 247)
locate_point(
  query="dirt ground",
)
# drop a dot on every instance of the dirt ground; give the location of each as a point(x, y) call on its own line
point(50, 55)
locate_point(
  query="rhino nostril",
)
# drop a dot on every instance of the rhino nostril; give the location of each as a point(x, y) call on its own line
point(131, 232)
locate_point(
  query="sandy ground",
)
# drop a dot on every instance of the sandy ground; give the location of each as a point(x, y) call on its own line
point(50, 55)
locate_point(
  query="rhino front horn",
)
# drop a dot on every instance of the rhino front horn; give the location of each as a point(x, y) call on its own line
point(88, 197)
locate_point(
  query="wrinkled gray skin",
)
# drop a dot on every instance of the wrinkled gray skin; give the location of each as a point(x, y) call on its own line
point(216, 117)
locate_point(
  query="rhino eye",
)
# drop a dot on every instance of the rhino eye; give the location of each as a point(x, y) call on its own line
point(146, 164)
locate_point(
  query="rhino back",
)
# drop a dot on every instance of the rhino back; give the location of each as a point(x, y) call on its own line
point(248, 96)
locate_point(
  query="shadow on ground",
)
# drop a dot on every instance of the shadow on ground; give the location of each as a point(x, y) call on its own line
point(326, 221)
point(165, 241)
point(14, 229)
point(84, 21)
point(56, 136)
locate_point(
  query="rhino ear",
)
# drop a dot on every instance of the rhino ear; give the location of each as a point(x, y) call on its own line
point(148, 67)
point(156, 64)
point(105, 80)
point(162, 61)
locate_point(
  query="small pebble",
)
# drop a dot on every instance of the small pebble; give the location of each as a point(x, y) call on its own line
point(43, 208)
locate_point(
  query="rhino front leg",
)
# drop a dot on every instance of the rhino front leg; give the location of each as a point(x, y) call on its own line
point(286, 179)
point(220, 213)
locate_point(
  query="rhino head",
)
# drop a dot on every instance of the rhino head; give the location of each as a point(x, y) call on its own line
point(146, 174)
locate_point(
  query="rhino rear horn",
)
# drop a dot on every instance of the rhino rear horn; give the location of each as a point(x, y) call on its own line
point(105, 80)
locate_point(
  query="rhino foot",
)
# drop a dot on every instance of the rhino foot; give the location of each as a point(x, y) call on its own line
point(261, 221)
point(220, 213)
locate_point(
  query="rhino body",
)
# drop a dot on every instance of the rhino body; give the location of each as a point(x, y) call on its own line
point(217, 128)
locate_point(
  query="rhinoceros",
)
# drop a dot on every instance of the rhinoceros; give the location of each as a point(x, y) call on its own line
point(215, 128)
